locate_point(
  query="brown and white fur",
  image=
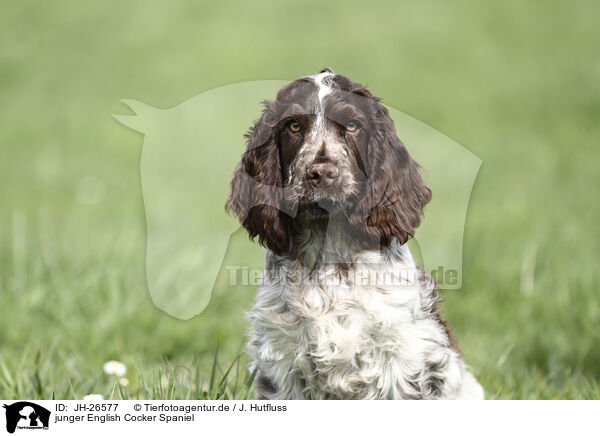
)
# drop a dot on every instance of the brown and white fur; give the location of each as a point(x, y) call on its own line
point(334, 195)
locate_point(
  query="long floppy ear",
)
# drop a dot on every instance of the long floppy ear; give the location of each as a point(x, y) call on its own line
point(395, 194)
point(256, 187)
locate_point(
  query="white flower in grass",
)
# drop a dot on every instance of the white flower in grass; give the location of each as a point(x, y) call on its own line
point(93, 397)
point(112, 367)
point(124, 382)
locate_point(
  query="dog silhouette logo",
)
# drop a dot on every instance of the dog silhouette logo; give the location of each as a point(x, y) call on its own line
point(26, 415)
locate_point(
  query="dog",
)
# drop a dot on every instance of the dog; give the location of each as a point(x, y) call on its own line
point(333, 194)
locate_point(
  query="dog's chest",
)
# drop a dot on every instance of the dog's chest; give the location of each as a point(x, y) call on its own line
point(368, 333)
point(349, 324)
point(344, 338)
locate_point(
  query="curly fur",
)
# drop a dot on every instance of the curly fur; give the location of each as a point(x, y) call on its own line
point(327, 322)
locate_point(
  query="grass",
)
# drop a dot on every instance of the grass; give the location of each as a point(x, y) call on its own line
point(514, 82)
point(34, 378)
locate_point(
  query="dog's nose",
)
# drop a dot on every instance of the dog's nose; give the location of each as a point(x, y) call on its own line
point(322, 174)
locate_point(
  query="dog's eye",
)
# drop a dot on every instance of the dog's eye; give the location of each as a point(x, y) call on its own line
point(294, 126)
point(352, 126)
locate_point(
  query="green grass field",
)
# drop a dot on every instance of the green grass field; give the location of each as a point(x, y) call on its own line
point(514, 82)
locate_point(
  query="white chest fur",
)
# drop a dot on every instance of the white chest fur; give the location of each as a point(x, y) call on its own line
point(369, 331)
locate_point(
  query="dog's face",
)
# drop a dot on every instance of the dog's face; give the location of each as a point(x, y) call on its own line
point(323, 137)
point(332, 149)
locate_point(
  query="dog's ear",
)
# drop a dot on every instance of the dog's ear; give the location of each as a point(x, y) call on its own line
point(394, 194)
point(256, 186)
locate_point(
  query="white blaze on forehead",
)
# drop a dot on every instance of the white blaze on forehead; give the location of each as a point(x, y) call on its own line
point(324, 88)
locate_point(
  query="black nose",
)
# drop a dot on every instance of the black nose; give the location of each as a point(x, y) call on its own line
point(322, 174)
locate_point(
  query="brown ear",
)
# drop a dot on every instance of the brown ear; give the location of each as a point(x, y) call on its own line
point(256, 194)
point(395, 194)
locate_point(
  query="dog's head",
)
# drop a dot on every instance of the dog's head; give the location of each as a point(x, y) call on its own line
point(332, 148)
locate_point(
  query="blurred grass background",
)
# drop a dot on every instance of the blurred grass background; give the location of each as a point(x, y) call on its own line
point(514, 82)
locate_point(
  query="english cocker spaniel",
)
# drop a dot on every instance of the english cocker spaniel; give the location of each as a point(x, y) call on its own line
point(342, 311)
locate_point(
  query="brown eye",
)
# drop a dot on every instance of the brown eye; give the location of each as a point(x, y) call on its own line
point(294, 126)
point(352, 126)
